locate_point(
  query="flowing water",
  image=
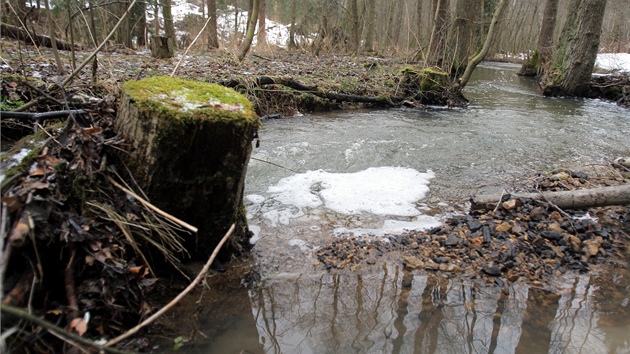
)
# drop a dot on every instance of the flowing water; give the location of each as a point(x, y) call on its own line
point(382, 171)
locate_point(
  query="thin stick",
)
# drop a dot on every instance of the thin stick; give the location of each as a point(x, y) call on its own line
point(500, 200)
point(16, 311)
point(173, 302)
point(153, 207)
point(274, 164)
point(191, 44)
point(98, 49)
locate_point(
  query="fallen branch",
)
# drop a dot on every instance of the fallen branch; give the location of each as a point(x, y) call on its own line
point(153, 207)
point(40, 117)
point(185, 292)
point(15, 311)
point(578, 199)
point(314, 90)
point(20, 34)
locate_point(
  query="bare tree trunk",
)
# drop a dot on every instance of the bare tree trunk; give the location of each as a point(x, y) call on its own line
point(140, 28)
point(169, 26)
point(538, 64)
point(370, 24)
point(575, 58)
point(353, 23)
point(461, 42)
point(292, 44)
point(262, 31)
point(71, 27)
point(418, 33)
point(51, 34)
point(437, 44)
point(213, 37)
point(249, 36)
point(492, 33)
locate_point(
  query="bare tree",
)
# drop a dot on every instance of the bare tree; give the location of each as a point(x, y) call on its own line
point(262, 30)
point(492, 33)
point(213, 38)
point(437, 44)
point(292, 44)
point(370, 24)
point(576, 54)
point(251, 27)
point(353, 24)
point(538, 63)
point(461, 36)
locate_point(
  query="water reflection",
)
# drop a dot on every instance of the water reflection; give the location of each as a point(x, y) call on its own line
point(395, 311)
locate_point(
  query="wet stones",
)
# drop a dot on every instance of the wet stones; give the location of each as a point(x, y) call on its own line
point(518, 240)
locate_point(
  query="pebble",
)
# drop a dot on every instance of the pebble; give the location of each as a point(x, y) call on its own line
point(520, 240)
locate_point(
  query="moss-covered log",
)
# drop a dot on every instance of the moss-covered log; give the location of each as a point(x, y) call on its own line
point(190, 144)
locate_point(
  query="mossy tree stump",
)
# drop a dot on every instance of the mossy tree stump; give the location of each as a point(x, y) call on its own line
point(427, 85)
point(190, 145)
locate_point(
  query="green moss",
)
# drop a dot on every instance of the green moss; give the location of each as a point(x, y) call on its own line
point(187, 99)
point(433, 79)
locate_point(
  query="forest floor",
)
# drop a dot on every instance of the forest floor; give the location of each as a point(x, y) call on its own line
point(518, 241)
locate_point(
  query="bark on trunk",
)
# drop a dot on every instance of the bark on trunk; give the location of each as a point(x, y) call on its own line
point(577, 51)
point(262, 31)
point(579, 199)
point(213, 38)
point(492, 30)
point(190, 145)
point(249, 36)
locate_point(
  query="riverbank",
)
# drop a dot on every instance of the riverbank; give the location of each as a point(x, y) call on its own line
point(113, 283)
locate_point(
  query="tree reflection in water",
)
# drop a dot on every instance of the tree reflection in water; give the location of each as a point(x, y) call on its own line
point(394, 311)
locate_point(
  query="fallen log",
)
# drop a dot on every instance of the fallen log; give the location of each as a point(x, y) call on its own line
point(314, 90)
point(578, 199)
point(18, 33)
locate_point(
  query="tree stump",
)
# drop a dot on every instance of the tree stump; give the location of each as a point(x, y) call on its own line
point(190, 145)
point(162, 47)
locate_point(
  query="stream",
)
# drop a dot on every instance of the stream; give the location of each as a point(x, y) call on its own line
point(382, 171)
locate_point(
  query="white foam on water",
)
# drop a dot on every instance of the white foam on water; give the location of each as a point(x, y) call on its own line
point(377, 190)
point(255, 229)
point(422, 222)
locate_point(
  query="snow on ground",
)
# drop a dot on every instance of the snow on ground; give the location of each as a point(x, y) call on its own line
point(277, 33)
point(616, 62)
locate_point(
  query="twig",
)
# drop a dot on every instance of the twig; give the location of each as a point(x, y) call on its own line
point(3, 224)
point(191, 44)
point(274, 164)
point(15, 311)
point(98, 49)
point(153, 207)
point(185, 292)
point(500, 200)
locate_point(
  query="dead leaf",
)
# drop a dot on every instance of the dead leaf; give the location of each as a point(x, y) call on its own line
point(93, 130)
point(12, 202)
point(139, 271)
point(79, 325)
point(89, 259)
point(19, 232)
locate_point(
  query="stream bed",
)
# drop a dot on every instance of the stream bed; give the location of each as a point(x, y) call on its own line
point(382, 171)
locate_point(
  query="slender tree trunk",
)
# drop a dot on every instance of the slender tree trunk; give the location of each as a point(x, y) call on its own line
point(249, 36)
point(577, 51)
point(213, 37)
point(324, 30)
point(370, 24)
point(439, 34)
point(51, 34)
point(71, 28)
point(492, 33)
point(169, 26)
point(262, 31)
point(292, 43)
point(140, 28)
point(353, 24)
point(538, 64)
point(461, 42)
point(419, 26)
